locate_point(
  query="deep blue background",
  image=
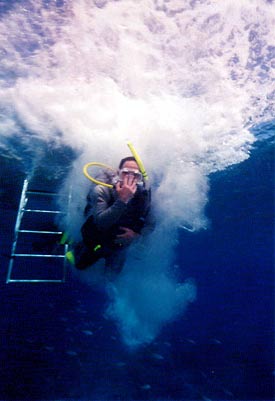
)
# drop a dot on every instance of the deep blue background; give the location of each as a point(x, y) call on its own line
point(233, 264)
point(222, 348)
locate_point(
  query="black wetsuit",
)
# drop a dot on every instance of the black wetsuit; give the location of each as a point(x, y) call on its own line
point(106, 214)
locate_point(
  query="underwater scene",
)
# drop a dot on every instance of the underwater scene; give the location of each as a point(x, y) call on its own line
point(191, 85)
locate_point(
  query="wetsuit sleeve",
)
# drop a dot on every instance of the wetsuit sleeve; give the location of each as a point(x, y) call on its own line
point(107, 213)
point(90, 203)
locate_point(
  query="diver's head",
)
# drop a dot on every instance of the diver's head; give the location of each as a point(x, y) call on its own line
point(127, 159)
point(129, 166)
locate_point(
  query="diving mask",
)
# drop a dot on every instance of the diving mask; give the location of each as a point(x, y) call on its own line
point(135, 173)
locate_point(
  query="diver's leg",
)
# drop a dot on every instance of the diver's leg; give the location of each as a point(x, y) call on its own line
point(85, 257)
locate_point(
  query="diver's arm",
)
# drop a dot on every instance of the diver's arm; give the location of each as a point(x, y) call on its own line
point(90, 203)
point(105, 214)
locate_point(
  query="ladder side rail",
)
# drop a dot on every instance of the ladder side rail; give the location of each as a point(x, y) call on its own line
point(20, 213)
point(66, 245)
point(65, 263)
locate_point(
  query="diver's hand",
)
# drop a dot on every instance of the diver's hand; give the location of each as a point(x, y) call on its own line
point(126, 237)
point(126, 189)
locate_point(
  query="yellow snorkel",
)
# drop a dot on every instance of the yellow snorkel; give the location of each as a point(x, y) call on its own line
point(95, 181)
point(138, 160)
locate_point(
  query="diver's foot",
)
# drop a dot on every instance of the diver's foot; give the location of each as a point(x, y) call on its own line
point(82, 257)
point(70, 257)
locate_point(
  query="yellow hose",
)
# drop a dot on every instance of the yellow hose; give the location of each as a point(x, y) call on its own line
point(94, 180)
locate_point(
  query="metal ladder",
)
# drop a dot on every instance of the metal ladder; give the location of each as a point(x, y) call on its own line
point(53, 259)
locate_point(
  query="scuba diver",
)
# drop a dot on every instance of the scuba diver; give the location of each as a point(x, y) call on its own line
point(117, 215)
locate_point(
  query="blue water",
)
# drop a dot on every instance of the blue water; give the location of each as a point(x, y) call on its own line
point(56, 344)
point(191, 317)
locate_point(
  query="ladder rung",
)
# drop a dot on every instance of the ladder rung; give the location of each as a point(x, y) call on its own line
point(34, 255)
point(34, 192)
point(42, 211)
point(35, 207)
point(34, 281)
point(39, 232)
